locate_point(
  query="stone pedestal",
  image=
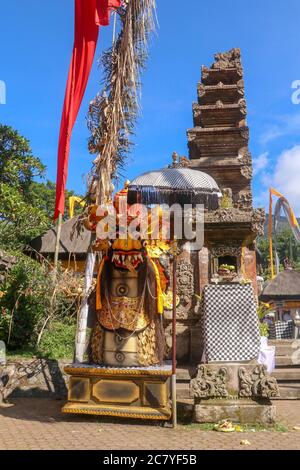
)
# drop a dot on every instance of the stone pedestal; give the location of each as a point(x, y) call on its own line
point(132, 392)
point(240, 392)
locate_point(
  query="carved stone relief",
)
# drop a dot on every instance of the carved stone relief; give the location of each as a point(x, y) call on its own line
point(209, 383)
point(226, 60)
point(257, 383)
point(185, 280)
point(247, 172)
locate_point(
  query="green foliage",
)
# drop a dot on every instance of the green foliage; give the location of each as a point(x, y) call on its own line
point(24, 303)
point(263, 310)
point(37, 310)
point(32, 301)
point(42, 196)
point(58, 340)
point(20, 220)
point(26, 206)
point(264, 329)
point(18, 166)
point(287, 247)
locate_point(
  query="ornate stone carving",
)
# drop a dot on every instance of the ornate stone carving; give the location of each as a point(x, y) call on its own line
point(243, 106)
point(247, 158)
point(247, 172)
point(258, 222)
point(201, 90)
point(255, 217)
point(227, 60)
point(243, 201)
point(209, 383)
point(220, 215)
point(205, 72)
point(257, 383)
point(185, 281)
point(226, 250)
point(245, 133)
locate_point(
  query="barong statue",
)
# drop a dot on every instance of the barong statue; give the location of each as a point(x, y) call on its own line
point(132, 286)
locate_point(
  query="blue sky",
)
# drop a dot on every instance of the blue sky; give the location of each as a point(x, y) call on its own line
point(36, 39)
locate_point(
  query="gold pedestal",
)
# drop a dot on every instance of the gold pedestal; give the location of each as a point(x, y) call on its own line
point(135, 392)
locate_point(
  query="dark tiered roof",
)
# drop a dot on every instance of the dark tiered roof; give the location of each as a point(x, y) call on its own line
point(285, 286)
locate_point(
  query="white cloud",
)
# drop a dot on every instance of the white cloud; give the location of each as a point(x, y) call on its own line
point(285, 125)
point(286, 177)
point(272, 133)
point(260, 163)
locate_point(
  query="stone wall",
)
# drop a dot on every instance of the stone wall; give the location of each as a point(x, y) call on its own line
point(33, 378)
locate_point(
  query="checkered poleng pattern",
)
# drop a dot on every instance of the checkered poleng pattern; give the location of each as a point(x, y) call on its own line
point(282, 330)
point(230, 323)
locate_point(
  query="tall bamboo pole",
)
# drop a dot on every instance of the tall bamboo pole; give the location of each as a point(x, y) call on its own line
point(82, 320)
point(174, 395)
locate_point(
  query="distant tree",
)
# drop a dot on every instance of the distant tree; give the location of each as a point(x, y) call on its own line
point(26, 206)
point(42, 195)
point(287, 247)
point(18, 166)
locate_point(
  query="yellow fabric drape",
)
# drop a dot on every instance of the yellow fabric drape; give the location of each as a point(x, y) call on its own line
point(72, 201)
point(159, 293)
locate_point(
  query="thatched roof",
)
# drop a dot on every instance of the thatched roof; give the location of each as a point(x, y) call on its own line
point(75, 239)
point(285, 286)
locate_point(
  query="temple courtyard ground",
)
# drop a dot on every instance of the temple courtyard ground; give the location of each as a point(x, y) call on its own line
point(37, 424)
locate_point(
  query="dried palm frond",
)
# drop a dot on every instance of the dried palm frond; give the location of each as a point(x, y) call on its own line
point(112, 115)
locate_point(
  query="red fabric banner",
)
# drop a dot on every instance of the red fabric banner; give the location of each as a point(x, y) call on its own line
point(89, 15)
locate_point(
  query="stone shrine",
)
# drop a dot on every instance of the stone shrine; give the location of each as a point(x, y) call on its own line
point(218, 146)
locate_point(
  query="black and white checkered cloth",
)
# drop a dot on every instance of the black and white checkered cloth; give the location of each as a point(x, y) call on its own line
point(230, 323)
point(282, 330)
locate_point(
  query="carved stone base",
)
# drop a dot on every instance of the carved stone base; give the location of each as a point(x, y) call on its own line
point(237, 391)
point(213, 411)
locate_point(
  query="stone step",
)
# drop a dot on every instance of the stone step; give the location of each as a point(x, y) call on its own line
point(283, 350)
point(286, 374)
point(286, 342)
point(183, 391)
point(284, 361)
point(285, 347)
point(289, 391)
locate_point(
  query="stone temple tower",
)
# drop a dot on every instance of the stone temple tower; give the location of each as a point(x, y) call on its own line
point(218, 146)
point(218, 143)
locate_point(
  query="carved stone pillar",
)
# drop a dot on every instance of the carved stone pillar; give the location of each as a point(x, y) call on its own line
point(249, 261)
point(188, 306)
